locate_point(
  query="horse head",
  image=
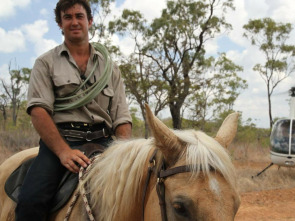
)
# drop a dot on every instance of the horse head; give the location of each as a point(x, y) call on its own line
point(207, 189)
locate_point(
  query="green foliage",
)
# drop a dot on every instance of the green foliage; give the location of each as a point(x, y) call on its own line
point(271, 37)
point(217, 88)
point(175, 43)
point(169, 56)
point(249, 133)
point(137, 124)
point(130, 21)
point(14, 92)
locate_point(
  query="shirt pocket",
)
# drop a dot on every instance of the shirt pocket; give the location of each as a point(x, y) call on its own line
point(104, 98)
point(109, 92)
point(65, 85)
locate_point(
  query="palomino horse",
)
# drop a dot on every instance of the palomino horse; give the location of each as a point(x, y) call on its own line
point(191, 175)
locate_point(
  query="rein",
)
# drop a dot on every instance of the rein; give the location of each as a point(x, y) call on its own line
point(82, 174)
point(161, 176)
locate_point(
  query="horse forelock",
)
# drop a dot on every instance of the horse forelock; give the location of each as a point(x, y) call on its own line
point(202, 152)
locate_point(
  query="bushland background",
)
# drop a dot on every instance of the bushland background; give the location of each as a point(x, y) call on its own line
point(271, 196)
point(171, 68)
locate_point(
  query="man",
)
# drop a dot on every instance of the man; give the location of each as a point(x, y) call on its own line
point(56, 75)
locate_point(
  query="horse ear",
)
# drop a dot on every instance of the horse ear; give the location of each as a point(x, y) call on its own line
point(166, 140)
point(228, 130)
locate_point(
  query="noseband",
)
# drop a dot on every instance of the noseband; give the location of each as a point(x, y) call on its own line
point(161, 176)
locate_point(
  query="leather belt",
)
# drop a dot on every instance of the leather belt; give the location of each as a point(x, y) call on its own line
point(86, 135)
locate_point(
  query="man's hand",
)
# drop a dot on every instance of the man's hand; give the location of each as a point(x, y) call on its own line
point(71, 158)
point(48, 132)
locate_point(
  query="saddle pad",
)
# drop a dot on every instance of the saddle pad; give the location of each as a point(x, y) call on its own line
point(66, 187)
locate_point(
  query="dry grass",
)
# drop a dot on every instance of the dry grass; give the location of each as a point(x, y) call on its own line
point(250, 160)
point(4, 153)
point(14, 141)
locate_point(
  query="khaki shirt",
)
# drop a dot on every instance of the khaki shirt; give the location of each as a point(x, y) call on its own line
point(55, 74)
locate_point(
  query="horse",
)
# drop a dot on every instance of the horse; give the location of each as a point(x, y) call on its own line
point(174, 175)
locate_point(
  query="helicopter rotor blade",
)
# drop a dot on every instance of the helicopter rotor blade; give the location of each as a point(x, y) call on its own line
point(281, 93)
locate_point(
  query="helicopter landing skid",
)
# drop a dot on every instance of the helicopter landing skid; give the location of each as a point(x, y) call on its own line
point(263, 170)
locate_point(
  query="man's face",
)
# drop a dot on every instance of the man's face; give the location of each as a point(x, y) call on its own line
point(75, 24)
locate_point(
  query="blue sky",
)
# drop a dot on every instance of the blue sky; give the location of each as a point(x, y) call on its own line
point(28, 29)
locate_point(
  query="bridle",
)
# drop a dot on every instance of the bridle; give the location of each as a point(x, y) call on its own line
point(162, 174)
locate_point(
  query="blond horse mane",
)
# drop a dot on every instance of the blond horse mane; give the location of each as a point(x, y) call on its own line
point(115, 178)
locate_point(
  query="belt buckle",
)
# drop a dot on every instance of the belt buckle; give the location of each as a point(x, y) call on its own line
point(88, 133)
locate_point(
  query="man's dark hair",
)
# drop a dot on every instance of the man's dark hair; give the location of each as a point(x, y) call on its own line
point(63, 5)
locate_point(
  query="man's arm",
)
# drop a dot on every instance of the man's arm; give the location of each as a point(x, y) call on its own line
point(123, 131)
point(48, 132)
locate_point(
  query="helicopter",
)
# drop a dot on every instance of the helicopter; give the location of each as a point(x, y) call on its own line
point(282, 139)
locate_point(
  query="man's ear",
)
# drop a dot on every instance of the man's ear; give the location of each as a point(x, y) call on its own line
point(90, 23)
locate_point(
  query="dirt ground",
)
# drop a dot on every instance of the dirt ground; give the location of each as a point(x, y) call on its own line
point(266, 205)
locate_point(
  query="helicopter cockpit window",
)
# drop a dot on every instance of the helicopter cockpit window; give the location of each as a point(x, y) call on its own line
point(279, 138)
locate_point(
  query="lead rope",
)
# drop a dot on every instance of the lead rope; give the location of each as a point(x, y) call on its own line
point(82, 174)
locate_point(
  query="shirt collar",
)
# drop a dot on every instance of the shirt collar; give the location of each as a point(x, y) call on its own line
point(64, 49)
point(93, 53)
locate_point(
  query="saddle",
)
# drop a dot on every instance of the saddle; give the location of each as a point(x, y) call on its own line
point(66, 186)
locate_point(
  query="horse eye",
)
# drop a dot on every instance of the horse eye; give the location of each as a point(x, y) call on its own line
point(180, 209)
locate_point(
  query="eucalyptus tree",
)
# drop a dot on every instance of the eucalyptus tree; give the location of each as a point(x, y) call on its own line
point(101, 9)
point(271, 39)
point(3, 107)
point(141, 76)
point(216, 89)
point(15, 91)
point(175, 43)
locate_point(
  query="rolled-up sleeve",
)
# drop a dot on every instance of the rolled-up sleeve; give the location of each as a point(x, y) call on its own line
point(40, 92)
point(119, 108)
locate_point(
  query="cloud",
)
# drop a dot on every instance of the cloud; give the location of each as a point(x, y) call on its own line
point(281, 10)
point(149, 8)
point(17, 39)
point(4, 72)
point(8, 8)
point(11, 41)
point(44, 12)
point(44, 45)
point(35, 34)
point(35, 31)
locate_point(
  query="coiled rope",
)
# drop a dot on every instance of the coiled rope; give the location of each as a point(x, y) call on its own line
point(82, 97)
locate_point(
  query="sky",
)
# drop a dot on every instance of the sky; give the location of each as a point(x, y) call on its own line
point(28, 29)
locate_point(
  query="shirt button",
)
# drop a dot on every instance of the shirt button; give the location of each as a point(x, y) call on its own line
point(69, 81)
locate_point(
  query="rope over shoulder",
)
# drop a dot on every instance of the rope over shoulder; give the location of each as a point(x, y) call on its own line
point(82, 97)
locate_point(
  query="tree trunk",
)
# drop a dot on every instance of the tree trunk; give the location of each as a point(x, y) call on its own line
point(269, 108)
point(175, 113)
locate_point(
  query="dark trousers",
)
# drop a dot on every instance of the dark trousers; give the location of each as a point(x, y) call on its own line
point(41, 182)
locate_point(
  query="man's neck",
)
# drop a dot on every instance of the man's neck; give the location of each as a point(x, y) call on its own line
point(78, 49)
